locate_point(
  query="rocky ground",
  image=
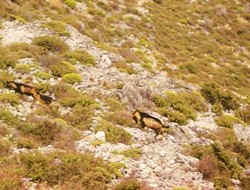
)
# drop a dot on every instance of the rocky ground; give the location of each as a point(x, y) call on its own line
point(163, 163)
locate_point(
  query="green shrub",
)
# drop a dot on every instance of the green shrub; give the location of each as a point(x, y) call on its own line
point(119, 117)
point(7, 59)
point(114, 104)
point(24, 142)
point(57, 26)
point(51, 43)
point(245, 183)
point(214, 94)
point(129, 184)
point(97, 143)
point(44, 132)
point(179, 107)
point(148, 66)
point(61, 68)
point(11, 98)
point(4, 77)
point(217, 108)
point(70, 3)
point(114, 134)
point(124, 67)
point(11, 176)
point(173, 115)
point(134, 153)
point(244, 114)
point(22, 68)
point(60, 169)
point(83, 57)
point(4, 147)
point(18, 18)
point(71, 78)
point(43, 87)
point(43, 75)
point(227, 121)
point(7, 117)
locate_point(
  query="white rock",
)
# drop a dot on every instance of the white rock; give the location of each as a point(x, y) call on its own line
point(100, 135)
point(142, 167)
point(158, 169)
point(145, 173)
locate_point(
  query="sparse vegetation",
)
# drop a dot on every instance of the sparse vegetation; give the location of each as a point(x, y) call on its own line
point(43, 75)
point(61, 68)
point(82, 57)
point(113, 133)
point(201, 42)
point(11, 98)
point(22, 68)
point(227, 121)
point(130, 153)
point(180, 107)
point(71, 78)
point(50, 43)
point(58, 26)
point(58, 168)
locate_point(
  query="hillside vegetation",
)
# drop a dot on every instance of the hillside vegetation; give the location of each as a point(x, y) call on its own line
point(187, 62)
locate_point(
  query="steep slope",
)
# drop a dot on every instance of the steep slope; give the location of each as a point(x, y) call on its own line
point(100, 61)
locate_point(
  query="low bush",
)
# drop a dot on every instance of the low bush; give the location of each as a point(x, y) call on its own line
point(57, 26)
point(43, 75)
point(179, 107)
point(7, 59)
point(51, 43)
point(7, 117)
point(11, 176)
point(25, 142)
point(134, 153)
point(124, 67)
point(114, 134)
point(244, 114)
point(173, 115)
point(43, 87)
point(11, 98)
point(5, 146)
point(119, 117)
point(44, 132)
point(114, 104)
point(214, 94)
point(227, 121)
point(130, 184)
point(22, 68)
point(71, 78)
point(61, 68)
point(18, 18)
point(217, 108)
point(215, 161)
point(4, 77)
point(70, 3)
point(81, 56)
point(59, 169)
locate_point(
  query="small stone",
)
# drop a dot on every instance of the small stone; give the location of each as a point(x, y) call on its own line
point(145, 173)
point(142, 167)
point(162, 153)
point(100, 135)
point(158, 169)
point(235, 181)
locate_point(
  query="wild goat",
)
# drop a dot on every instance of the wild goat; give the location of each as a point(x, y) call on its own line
point(147, 120)
point(21, 88)
point(42, 98)
point(25, 89)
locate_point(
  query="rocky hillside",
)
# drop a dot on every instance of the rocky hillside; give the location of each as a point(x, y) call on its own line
point(186, 63)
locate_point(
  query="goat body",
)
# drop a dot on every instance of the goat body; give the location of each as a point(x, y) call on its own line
point(147, 120)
